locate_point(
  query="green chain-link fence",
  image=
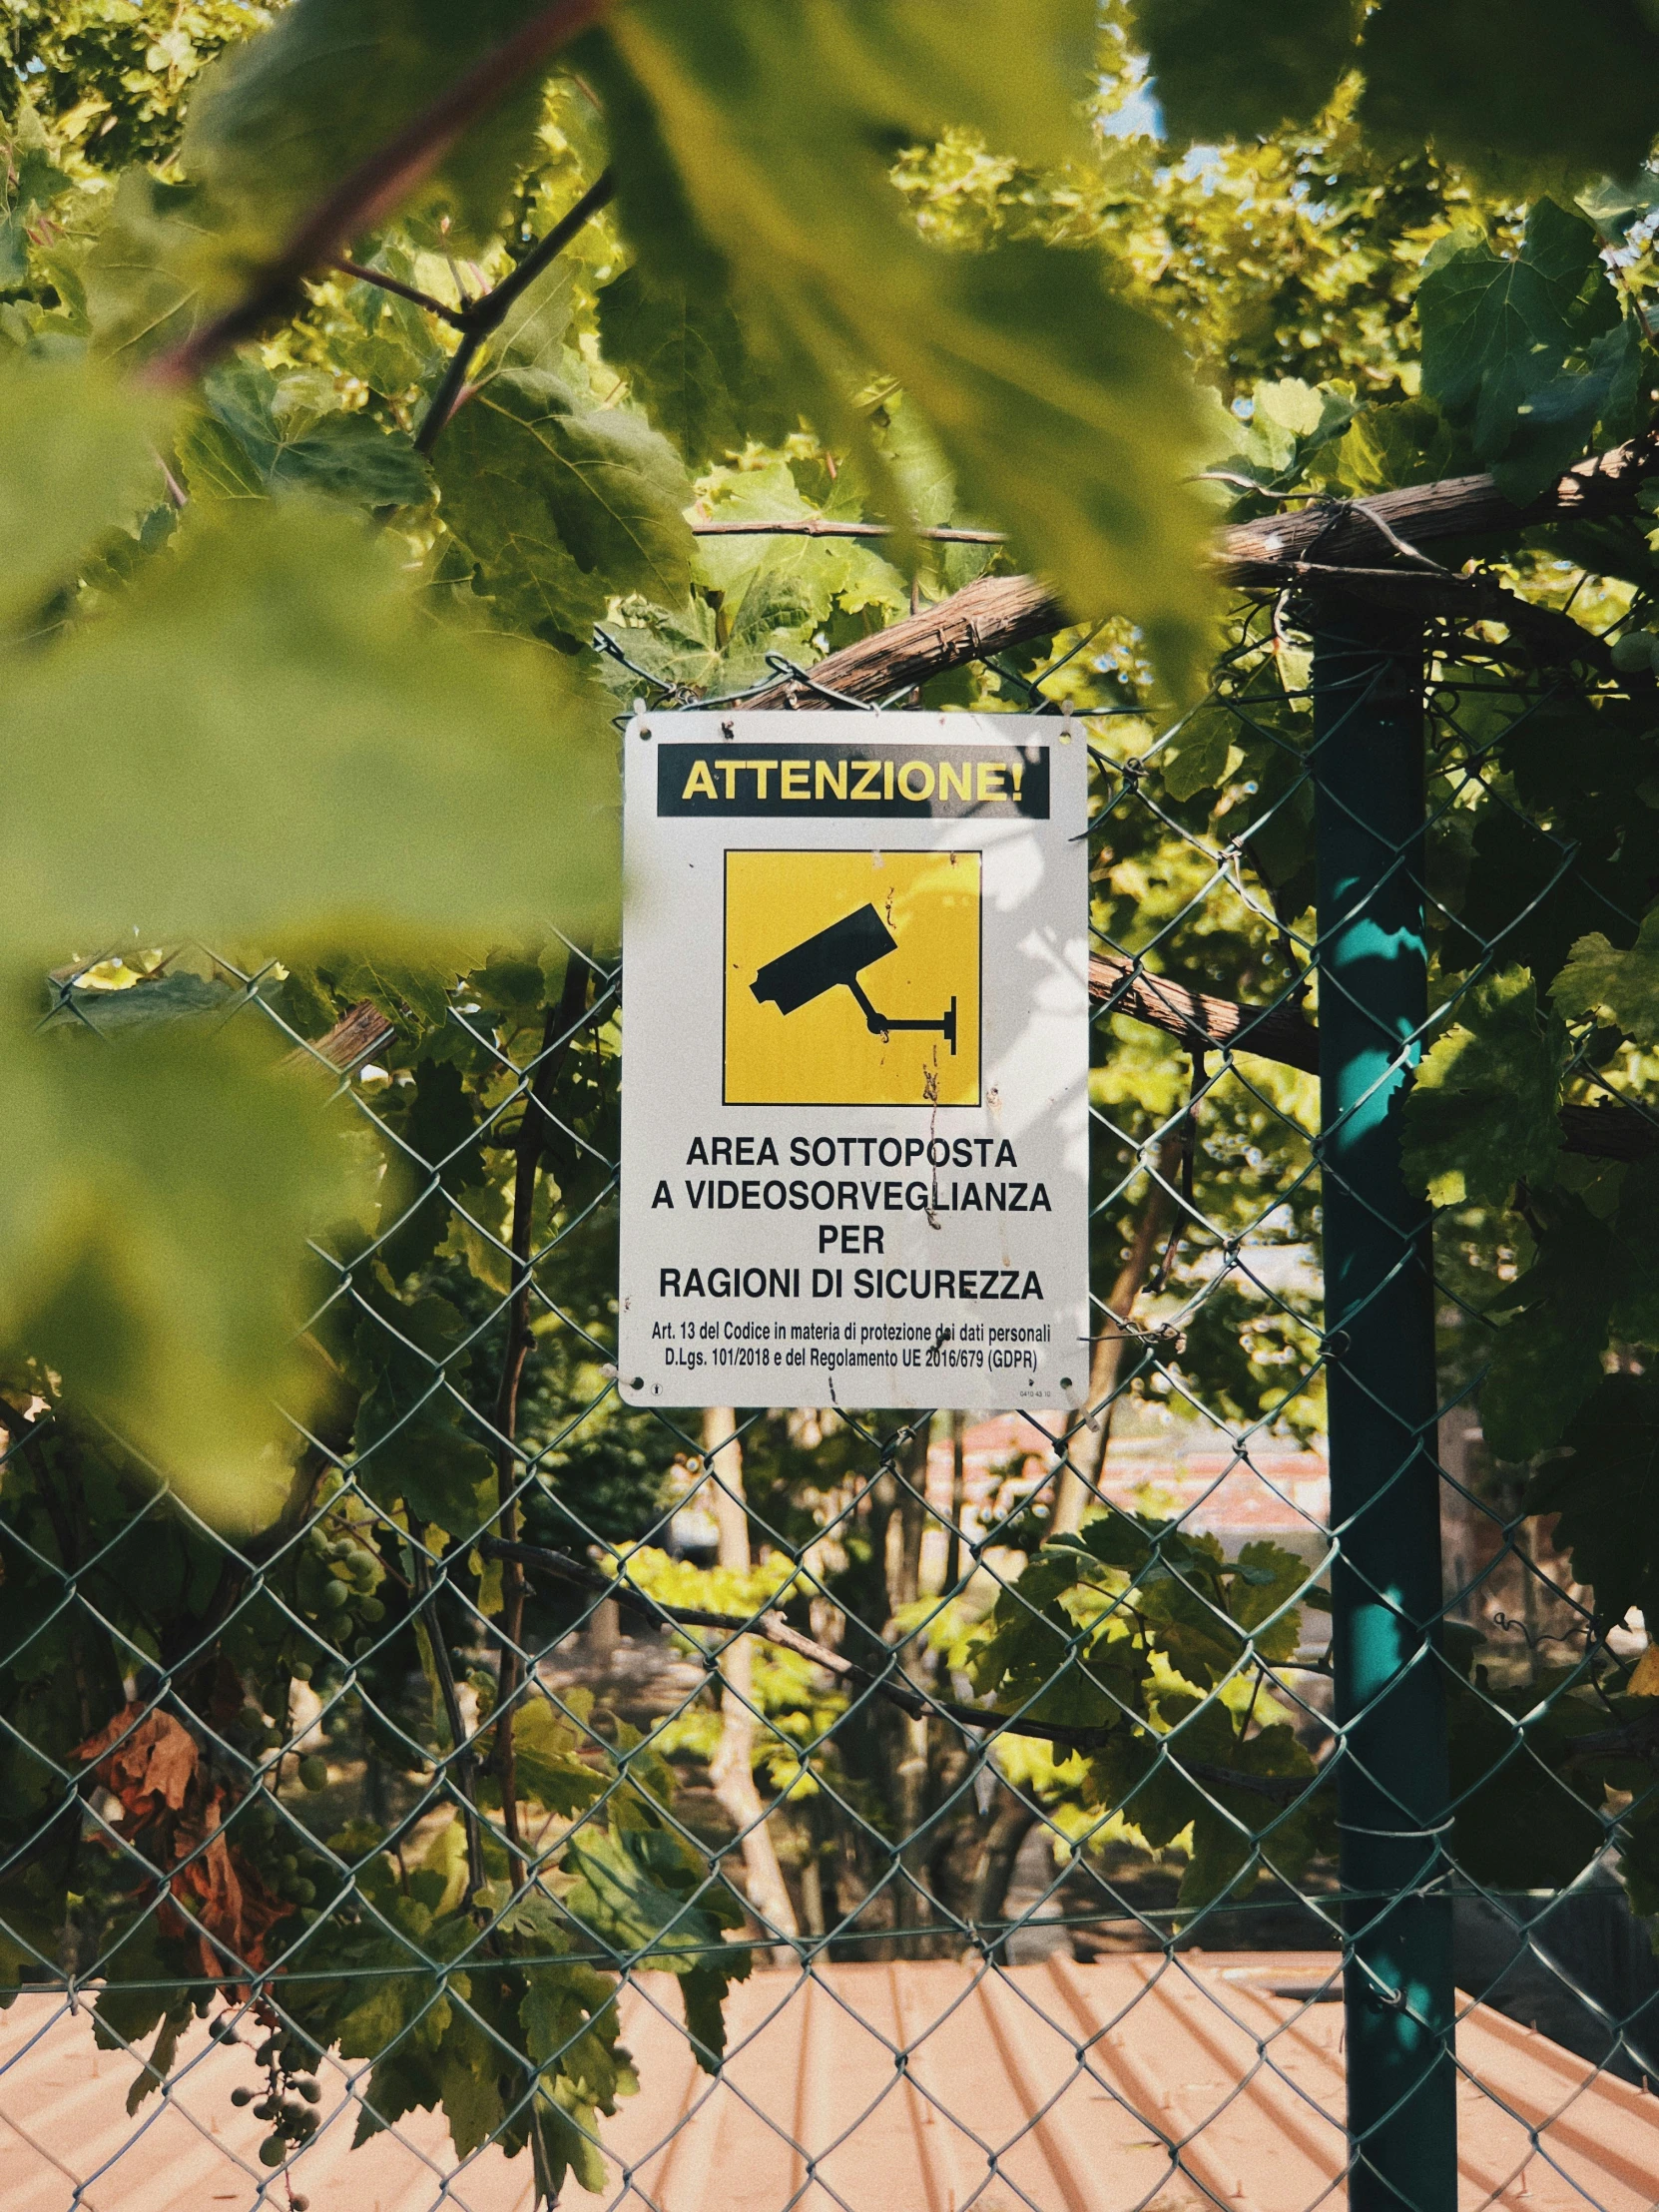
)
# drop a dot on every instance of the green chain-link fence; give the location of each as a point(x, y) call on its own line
point(969, 1810)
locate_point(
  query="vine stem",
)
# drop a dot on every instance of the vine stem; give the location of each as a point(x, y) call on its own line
point(476, 321)
point(461, 1760)
point(896, 1688)
point(363, 274)
point(1080, 1475)
point(377, 185)
point(732, 1768)
point(816, 526)
point(1614, 1130)
point(558, 1034)
point(997, 612)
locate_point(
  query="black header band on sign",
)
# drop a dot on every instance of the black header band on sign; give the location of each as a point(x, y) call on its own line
point(854, 781)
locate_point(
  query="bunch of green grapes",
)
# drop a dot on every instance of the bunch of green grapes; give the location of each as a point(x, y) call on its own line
point(336, 1581)
point(291, 2090)
point(280, 1851)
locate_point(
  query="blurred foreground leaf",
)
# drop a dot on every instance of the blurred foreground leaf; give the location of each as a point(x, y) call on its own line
point(281, 118)
point(1065, 413)
point(156, 1194)
point(75, 460)
point(1521, 89)
point(268, 739)
point(1226, 69)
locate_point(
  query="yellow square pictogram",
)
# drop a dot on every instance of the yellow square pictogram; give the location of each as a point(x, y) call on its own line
point(853, 978)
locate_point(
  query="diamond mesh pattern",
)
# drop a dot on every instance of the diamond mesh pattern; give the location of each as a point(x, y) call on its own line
point(752, 1657)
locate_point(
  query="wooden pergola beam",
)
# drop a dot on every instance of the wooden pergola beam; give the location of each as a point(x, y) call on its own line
point(1368, 543)
point(1204, 1023)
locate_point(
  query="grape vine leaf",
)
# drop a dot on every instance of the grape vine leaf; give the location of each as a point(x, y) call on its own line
point(1291, 424)
point(1403, 441)
point(918, 462)
point(77, 459)
point(1598, 405)
point(149, 1002)
point(764, 594)
point(145, 275)
point(386, 342)
point(1635, 1319)
point(635, 1892)
point(532, 333)
point(775, 592)
point(1520, 1825)
point(322, 761)
point(548, 1761)
point(1266, 1579)
point(1481, 1111)
point(258, 434)
point(33, 183)
point(408, 1441)
point(155, 1198)
point(1065, 414)
point(1496, 336)
point(1605, 1488)
point(1234, 1832)
point(435, 1161)
point(570, 2023)
point(108, 83)
point(566, 504)
point(141, 1964)
point(1547, 1358)
point(689, 363)
point(1194, 756)
point(1524, 91)
point(1223, 69)
point(1599, 979)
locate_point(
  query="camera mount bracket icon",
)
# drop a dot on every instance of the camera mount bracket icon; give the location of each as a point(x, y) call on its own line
point(835, 956)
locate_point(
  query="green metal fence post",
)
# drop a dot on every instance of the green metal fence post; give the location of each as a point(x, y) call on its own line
point(1392, 1781)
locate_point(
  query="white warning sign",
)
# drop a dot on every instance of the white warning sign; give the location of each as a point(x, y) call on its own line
point(854, 1105)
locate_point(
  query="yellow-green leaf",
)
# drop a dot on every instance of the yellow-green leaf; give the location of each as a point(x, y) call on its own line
point(268, 739)
point(76, 460)
point(155, 1194)
point(1064, 413)
point(566, 504)
point(1600, 978)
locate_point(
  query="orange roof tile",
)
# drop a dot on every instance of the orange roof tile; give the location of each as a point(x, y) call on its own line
point(922, 2087)
point(1271, 1490)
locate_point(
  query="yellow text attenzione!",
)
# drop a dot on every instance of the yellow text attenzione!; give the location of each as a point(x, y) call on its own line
point(976, 782)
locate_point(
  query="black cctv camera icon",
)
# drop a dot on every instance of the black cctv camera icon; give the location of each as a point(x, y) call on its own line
point(834, 956)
